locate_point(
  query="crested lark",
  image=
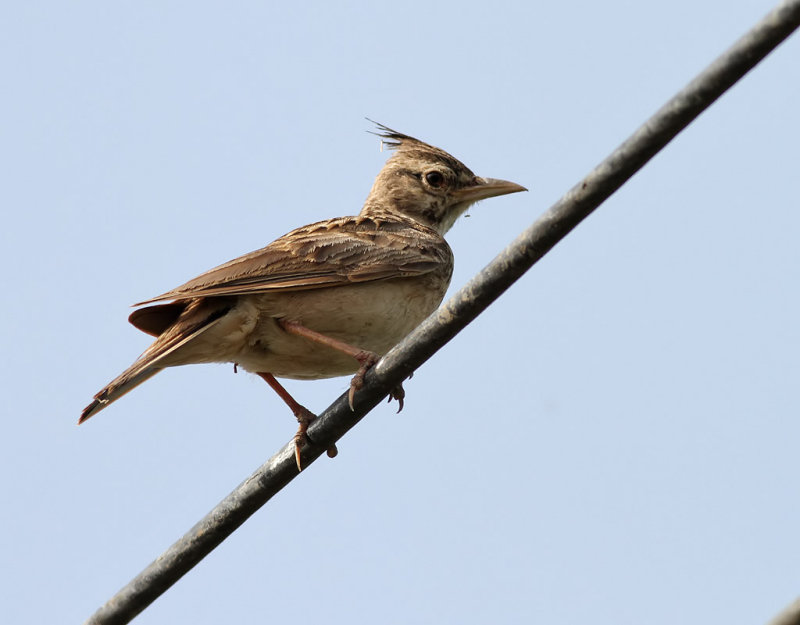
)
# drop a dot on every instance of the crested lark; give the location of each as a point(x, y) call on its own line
point(326, 299)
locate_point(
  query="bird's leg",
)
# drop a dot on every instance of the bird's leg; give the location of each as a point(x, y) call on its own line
point(304, 417)
point(365, 358)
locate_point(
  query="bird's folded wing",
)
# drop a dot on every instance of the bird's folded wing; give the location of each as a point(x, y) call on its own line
point(329, 253)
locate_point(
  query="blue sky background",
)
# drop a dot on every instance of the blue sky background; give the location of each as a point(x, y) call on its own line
point(613, 441)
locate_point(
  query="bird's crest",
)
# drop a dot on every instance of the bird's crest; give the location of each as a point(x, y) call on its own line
point(392, 139)
point(408, 145)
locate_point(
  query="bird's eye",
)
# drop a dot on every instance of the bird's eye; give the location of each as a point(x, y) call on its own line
point(434, 179)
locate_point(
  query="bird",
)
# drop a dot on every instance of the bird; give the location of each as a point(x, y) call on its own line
point(324, 300)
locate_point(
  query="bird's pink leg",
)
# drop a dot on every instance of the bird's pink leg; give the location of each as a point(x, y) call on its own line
point(364, 358)
point(304, 416)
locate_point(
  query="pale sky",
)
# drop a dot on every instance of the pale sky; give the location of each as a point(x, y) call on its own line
point(614, 441)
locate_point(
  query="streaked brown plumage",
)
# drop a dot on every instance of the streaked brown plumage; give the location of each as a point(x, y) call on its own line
point(326, 299)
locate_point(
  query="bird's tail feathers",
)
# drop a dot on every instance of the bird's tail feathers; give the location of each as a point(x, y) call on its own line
point(187, 328)
point(129, 379)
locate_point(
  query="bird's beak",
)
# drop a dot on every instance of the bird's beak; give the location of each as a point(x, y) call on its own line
point(483, 188)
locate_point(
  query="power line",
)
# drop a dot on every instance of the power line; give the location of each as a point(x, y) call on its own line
point(789, 616)
point(455, 314)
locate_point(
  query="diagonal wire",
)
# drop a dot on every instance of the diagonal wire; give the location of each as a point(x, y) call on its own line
point(789, 616)
point(455, 314)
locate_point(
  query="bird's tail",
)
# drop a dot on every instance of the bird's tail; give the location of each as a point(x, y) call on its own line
point(197, 317)
point(128, 380)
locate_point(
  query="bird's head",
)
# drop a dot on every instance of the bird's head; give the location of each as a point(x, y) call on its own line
point(427, 184)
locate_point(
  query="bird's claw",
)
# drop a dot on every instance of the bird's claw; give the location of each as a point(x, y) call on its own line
point(304, 418)
point(399, 394)
point(298, 441)
point(367, 360)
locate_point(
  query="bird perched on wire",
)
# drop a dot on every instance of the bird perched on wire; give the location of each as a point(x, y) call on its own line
point(324, 300)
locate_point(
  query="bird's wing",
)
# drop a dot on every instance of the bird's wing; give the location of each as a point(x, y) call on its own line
point(329, 253)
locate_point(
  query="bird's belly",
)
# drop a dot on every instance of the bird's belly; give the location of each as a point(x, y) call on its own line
point(374, 316)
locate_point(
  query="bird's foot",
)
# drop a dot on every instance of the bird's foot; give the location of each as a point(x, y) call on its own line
point(367, 360)
point(304, 418)
point(398, 393)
